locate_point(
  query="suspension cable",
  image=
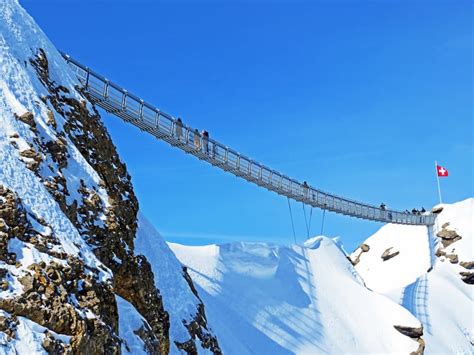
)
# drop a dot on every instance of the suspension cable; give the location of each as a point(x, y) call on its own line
point(305, 220)
point(292, 223)
point(322, 223)
point(309, 224)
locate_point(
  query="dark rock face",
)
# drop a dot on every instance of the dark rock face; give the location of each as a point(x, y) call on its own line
point(109, 227)
point(198, 328)
point(133, 279)
point(47, 288)
point(387, 254)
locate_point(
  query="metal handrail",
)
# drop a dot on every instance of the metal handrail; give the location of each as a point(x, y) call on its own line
point(149, 118)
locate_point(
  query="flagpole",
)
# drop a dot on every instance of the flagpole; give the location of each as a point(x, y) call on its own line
point(437, 178)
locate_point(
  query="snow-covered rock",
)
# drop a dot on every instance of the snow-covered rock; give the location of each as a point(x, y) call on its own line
point(68, 221)
point(429, 277)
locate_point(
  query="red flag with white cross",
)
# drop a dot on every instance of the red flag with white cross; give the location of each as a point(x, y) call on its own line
point(442, 172)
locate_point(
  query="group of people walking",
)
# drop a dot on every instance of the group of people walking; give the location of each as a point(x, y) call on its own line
point(198, 138)
point(415, 211)
point(201, 141)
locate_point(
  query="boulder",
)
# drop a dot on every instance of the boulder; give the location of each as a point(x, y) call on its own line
point(467, 277)
point(448, 237)
point(411, 332)
point(453, 258)
point(440, 252)
point(447, 234)
point(387, 254)
point(27, 118)
point(467, 264)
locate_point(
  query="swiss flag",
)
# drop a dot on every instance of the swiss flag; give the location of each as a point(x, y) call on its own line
point(442, 172)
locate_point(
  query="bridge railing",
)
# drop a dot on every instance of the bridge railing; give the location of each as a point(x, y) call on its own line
point(131, 108)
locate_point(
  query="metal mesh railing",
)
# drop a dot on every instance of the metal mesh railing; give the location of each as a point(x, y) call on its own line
point(131, 108)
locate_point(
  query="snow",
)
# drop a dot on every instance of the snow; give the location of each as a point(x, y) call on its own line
point(259, 298)
point(413, 244)
point(438, 298)
point(20, 92)
point(129, 322)
point(303, 299)
point(178, 299)
point(30, 336)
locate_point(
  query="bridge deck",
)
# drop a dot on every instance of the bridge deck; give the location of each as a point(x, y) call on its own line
point(148, 118)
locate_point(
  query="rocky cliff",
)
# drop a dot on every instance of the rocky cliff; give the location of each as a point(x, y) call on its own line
point(68, 220)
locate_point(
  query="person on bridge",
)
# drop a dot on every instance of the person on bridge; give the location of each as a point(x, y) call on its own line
point(179, 128)
point(382, 206)
point(197, 139)
point(423, 210)
point(205, 141)
point(414, 211)
point(305, 189)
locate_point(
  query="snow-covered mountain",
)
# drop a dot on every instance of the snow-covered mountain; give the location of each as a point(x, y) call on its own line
point(82, 271)
point(311, 299)
point(72, 275)
point(430, 275)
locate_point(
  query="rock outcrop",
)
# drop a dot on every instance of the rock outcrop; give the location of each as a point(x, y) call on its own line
point(415, 334)
point(388, 254)
point(363, 248)
point(108, 225)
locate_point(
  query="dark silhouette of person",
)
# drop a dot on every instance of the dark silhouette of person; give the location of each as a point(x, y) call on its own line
point(305, 189)
point(179, 128)
point(205, 141)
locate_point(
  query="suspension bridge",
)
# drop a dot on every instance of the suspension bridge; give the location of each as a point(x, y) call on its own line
point(123, 104)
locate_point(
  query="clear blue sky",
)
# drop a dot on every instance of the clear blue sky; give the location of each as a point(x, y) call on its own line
point(356, 97)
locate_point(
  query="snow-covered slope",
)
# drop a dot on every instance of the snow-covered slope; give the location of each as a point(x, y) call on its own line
point(426, 277)
point(264, 299)
point(178, 297)
point(70, 277)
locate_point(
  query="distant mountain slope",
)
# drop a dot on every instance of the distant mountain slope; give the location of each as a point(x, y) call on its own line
point(263, 299)
point(70, 278)
point(432, 276)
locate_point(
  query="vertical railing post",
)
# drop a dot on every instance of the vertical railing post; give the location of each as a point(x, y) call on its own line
point(157, 120)
point(226, 155)
point(124, 100)
point(87, 77)
point(187, 135)
point(106, 89)
point(173, 128)
point(140, 111)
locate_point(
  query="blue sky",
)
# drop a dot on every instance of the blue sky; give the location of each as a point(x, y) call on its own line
point(356, 97)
